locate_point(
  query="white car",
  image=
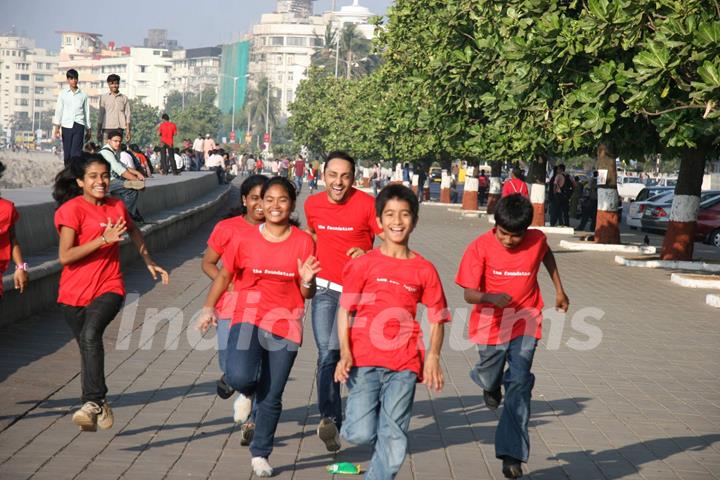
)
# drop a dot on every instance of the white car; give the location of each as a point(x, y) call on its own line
point(629, 187)
point(647, 196)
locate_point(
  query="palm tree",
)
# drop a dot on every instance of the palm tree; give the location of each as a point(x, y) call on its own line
point(355, 58)
point(256, 107)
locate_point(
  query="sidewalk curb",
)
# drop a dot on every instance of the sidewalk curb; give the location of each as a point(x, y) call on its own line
point(606, 247)
point(669, 264)
point(696, 281)
point(544, 229)
point(713, 300)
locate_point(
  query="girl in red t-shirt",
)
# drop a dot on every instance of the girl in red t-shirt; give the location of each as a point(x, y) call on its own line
point(9, 247)
point(223, 236)
point(275, 272)
point(91, 225)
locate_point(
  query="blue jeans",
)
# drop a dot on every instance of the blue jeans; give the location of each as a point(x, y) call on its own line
point(250, 348)
point(298, 183)
point(378, 411)
point(223, 332)
point(324, 311)
point(511, 435)
point(129, 198)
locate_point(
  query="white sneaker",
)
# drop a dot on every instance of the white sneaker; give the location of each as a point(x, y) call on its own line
point(261, 467)
point(87, 417)
point(242, 406)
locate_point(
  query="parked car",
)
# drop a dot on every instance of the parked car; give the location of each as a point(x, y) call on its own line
point(657, 214)
point(708, 222)
point(629, 187)
point(661, 195)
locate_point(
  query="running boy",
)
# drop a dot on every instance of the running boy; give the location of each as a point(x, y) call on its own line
point(381, 349)
point(499, 274)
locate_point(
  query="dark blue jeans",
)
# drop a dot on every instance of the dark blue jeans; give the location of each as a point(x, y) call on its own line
point(511, 435)
point(250, 348)
point(324, 309)
point(73, 140)
point(129, 198)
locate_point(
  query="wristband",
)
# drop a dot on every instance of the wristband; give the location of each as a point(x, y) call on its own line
point(306, 284)
point(22, 266)
point(104, 239)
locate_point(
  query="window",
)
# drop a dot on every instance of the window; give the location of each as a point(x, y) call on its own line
point(39, 90)
point(38, 103)
point(48, 66)
point(277, 41)
point(289, 76)
point(19, 89)
point(22, 102)
point(290, 59)
point(290, 96)
point(297, 41)
point(279, 59)
point(23, 77)
point(39, 78)
point(318, 42)
point(142, 68)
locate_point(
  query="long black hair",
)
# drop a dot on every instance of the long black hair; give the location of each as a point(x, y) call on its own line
point(66, 187)
point(248, 184)
point(289, 188)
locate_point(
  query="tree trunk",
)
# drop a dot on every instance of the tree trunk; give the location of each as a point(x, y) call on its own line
point(607, 227)
point(680, 236)
point(536, 179)
point(494, 188)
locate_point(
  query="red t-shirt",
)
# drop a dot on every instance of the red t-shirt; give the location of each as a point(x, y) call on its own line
point(514, 185)
point(384, 293)
point(268, 283)
point(8, 217)
point(299, 168)
point(98, 273)
point(223, 240)
point(340, 227)
point(167, 131)
point(490, 267)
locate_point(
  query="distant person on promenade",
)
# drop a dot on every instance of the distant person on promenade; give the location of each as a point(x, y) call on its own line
point(113, 112)
point(499, 274)
point(167, 131)
point(382, 354)
point(208, 146)
point(225, 234)
point(9, 246)
point(198, 153)
point(515, 184)
point(91, 225)
point(72, 116)
point(589, 204)
point(124, 182)
point(299, 173)
point(483, 184)
point(342, 219)
point(276, 265)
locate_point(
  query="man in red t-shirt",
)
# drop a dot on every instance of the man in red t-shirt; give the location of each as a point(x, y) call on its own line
point(299, 173)
point(515, 184)
point(167, 131)
point(499, 274)
point(342, 220)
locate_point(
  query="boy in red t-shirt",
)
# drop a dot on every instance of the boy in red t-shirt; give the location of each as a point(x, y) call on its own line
point(499, 274)
point(9, 248)
point(167, 131)
point(381, 350)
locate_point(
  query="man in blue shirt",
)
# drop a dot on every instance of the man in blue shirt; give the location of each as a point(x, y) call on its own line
point(72, 114)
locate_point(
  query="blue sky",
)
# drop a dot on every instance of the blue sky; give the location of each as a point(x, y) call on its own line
point(193, 23)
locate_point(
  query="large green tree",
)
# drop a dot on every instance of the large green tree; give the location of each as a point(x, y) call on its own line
point(145, 120)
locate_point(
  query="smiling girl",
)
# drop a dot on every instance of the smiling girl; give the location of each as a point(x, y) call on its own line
point(91, 225)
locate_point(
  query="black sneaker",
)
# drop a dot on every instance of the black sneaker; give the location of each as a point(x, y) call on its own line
point(492, 399)
point(327, 431)
point(512, 467)
point(224, 390)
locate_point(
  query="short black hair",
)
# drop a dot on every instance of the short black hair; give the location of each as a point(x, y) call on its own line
point(514, 213)
point(72, 73)
point(134, 147)
point(397, 192)
point(341, 155)
point(114, 133)
point(561, 167)
point(113, 77)
point(165, 116)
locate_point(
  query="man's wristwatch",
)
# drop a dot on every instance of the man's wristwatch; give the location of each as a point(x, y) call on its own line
point(22, 266)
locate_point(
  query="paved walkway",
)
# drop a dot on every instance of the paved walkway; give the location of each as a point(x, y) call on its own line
point(643, 404)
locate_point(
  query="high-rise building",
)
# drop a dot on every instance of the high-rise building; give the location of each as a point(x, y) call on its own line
point(284, 42)
point(158, 38)
point(195, 70)
point(27, 89)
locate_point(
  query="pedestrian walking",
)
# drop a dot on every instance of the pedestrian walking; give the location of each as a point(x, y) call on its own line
point(589, 204)
point(342, 220)
point(299, 173)
point(113, 112)
point(198, 153)
point(72, 116)
point(515, 184)
point(277, 266)
point(381, 371)
point(498, 272)
point(167, 131)
point(91, 225)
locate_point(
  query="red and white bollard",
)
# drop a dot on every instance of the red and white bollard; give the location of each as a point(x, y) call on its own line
point(445, 184)
point(415, 181)
point(607, 228)
point(680, 236)
point(470, 194)
point(537, 198)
